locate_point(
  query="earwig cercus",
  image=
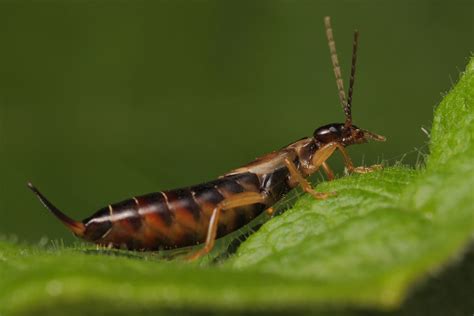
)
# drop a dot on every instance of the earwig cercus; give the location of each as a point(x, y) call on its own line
point(204, 212)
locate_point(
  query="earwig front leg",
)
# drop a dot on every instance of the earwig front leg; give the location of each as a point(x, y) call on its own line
point(347, 159)
point(367, 169)
point(323, 153)
point(240, 199)
point(295, 176)
point(350, 166)
point(328, 171)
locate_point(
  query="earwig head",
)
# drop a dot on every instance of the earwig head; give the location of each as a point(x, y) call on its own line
point(339, 133)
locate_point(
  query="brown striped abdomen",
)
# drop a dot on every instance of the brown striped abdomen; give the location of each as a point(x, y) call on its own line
point(174, 218)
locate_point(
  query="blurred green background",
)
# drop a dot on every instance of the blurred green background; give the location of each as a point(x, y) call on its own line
point(103, 100)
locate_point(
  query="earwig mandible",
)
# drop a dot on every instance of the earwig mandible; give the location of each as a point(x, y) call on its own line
point(204, 212)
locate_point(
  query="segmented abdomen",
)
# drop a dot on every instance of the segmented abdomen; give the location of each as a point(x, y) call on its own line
point(174, 218)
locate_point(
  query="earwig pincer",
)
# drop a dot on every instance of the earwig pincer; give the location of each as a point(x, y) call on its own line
point(201, 213)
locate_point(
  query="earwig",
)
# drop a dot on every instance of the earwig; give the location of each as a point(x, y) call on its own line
point(201, 213)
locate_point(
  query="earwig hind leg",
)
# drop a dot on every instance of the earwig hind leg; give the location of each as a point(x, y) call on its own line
point(240, 199)
point(296, 176)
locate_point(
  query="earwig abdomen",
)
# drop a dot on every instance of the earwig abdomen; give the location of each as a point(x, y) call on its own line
point(174, 218)
point(181, 217)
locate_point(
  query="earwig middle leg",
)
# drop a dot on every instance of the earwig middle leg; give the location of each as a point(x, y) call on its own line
point(240, 199)
point(295, 176)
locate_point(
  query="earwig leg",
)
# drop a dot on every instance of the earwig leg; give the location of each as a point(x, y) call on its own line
point(323, 154)
point(367, 169)
point(295, 176)
point(270, 211)
point(347, 158)
point(240, 199)
point(328, 171)
point(350, 166)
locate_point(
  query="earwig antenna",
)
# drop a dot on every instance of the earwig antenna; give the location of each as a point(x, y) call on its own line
point(347, 108)
point(76, 227)
point(335, 64)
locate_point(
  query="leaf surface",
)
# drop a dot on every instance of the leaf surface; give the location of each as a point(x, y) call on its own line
point(364, 248)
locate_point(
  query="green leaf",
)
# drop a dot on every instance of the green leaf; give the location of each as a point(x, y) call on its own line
point(366, 248)
point(386, 229)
